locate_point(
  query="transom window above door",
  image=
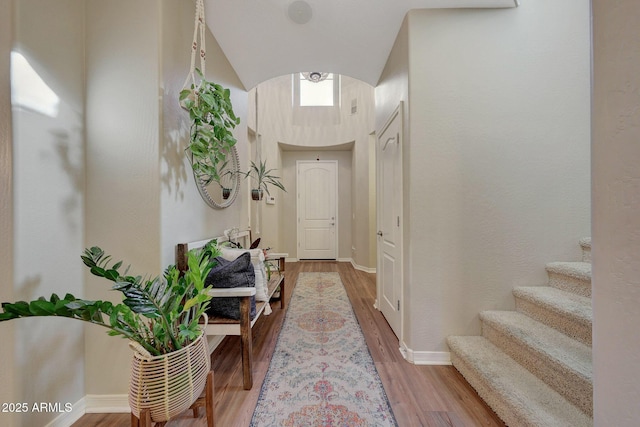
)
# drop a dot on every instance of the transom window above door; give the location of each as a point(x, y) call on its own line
point(316, 89)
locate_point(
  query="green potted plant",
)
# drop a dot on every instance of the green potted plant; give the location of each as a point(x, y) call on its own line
point(226, 178)
point(263, 178)
point(160, 316)
point(212, 121)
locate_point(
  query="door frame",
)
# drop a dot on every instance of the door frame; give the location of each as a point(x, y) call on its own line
point(396, 114)
point(298, 198)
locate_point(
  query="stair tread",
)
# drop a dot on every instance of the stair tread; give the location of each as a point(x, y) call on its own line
point(571, 354)
point(528, 396)
point(576, 269)
point(565, 303)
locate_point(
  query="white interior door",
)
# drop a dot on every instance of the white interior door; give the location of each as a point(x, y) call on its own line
point(389, 187)
point(317, 209)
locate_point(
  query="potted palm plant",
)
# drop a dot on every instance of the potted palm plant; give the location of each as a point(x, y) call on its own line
point(263, 178)
point(160, 316)
point(212, 121)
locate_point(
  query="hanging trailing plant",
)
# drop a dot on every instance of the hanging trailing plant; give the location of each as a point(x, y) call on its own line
point(212, 121)
point(210, 111)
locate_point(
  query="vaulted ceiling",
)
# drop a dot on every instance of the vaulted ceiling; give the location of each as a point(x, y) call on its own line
point(352, 37)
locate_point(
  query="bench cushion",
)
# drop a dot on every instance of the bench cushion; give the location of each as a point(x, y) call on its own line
point(231, 274)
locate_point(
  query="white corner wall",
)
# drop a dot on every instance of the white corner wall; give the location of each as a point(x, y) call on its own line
point(123, 171)
point(48, 172)
point(7, 329)
point(616, 203)
point(393, 86)
point(497, 172)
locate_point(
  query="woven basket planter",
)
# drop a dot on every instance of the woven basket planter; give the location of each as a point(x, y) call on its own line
point(167, 385)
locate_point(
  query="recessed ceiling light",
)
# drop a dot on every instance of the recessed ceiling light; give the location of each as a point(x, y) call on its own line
point(300, 12)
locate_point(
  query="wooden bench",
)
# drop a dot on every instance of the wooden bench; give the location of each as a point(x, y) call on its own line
point(242, 327)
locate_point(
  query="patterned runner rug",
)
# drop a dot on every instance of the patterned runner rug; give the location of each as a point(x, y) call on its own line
point(321, 373)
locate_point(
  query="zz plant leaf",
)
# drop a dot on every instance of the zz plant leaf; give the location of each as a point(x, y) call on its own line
point(161, 314)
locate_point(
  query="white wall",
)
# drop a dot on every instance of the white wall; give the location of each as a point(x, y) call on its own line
point(393, 86)
point(373, 226)
point(279, 123)
point(362, 236)
point(123, 173)
point(49, 205)
point(498, 170)
point(7, 329)
point(616, 203)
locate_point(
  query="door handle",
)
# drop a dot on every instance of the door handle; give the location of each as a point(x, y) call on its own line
point(379, 233)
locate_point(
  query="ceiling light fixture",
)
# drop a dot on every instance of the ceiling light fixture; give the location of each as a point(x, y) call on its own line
point(315, 76)
point(300, 12)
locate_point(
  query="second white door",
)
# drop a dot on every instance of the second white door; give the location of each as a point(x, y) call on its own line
point(389, 196)
point(317, 209)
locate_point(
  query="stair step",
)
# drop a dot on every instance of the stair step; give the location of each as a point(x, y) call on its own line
point(567, 312)
point(571, 277)
point(561, 362)
point(515, 394)
point(585, 244)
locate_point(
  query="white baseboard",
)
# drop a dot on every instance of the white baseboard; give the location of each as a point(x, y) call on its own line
point(107, 403)
point(93, 404)
point(361, 268)
point(68, 418)
point(425, 357)
point(290, 260)
point(214, 341)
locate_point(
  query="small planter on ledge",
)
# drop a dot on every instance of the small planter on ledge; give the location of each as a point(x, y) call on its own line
point(256, 194)
point(263, 179)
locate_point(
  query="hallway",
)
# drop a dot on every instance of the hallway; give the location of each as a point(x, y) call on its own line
point(419, 395)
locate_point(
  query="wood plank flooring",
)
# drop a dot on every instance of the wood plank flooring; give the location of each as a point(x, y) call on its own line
point(434, 396)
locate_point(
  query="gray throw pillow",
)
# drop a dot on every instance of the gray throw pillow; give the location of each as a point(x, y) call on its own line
point(231, 274)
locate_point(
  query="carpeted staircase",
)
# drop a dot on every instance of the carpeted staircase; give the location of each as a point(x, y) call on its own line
point(533, 366)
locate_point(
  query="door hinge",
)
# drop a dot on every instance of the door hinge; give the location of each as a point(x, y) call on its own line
point(398, 221)
point(398, 305)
